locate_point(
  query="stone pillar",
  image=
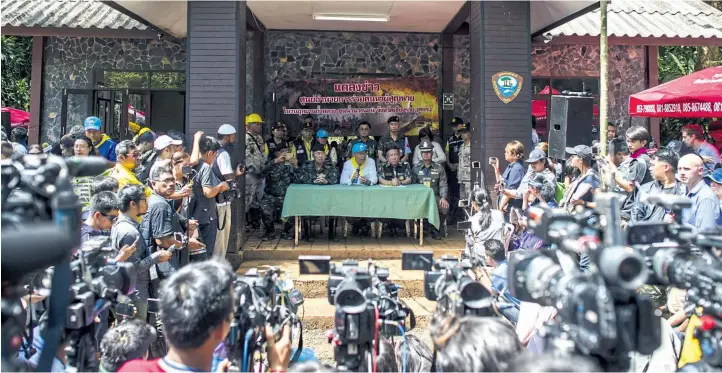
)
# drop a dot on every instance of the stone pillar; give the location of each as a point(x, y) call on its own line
point(500, 41)
point(215, 81)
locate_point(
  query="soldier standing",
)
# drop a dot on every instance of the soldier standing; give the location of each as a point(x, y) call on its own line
point(395, 173)
point(453, 145)
point(393, 137)
point(319, 172)
point(464, 170)
point(255, 158)
point(279, 173)
point(364, 129)
point(304, 144)
point(278, 136)
point(433, 176)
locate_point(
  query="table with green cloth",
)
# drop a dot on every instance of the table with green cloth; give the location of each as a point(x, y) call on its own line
point(408, 202)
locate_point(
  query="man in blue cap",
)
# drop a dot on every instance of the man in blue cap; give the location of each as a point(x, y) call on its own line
point(104, 145)
point(360, 170)
point(329, 151)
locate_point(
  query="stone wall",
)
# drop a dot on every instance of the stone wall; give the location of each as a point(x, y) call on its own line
point(627, 73)
point(295, 55)
point(462, 77)
point(69, 62)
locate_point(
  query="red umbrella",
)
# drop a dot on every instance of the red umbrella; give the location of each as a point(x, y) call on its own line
point(697, 95)
point(18, 118)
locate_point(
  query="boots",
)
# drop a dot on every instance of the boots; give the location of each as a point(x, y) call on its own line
point(307, 235)
point(332, 230)
point(254, 218)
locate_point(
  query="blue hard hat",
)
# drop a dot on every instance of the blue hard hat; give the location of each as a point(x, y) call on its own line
point(359, 147)
point(322, 134)
point(92, 123)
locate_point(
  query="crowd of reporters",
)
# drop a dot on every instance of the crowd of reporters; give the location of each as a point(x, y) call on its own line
point(164, 210)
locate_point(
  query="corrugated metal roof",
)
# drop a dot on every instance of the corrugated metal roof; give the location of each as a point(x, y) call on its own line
point(65, 13)
point(649, 18)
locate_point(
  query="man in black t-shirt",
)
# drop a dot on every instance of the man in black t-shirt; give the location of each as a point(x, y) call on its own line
point(206, 186)
point(161, 226)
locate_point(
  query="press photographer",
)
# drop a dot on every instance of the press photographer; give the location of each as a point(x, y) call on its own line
point(196, 308)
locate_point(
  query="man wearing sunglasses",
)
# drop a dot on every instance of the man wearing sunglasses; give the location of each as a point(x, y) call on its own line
point(128, 156)
point(104, 209)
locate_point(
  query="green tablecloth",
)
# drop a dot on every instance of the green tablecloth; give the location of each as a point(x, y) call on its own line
point(404, 202)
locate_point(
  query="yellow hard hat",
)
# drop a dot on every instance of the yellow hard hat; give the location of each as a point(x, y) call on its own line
point(253, 118)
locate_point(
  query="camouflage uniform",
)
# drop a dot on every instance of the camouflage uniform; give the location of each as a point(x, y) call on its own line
point(402, 171)
point(386, 141)
point(464, 171)
point(278, 178)
point(255, 157)
point(434, 177)
point(308, 173)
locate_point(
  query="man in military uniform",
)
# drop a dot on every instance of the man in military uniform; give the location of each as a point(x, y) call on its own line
point(255, 159)
point(464, 169)
point(433, 176)
point(318, 172)
point(304, 144)
point(453, 146)
point(364, 129)
point(278, 136)
point(279, 173)
point(395, 173)
point(394, 138)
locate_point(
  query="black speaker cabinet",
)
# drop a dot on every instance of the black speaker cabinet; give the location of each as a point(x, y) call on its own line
point(570, 124)
point(6, 122)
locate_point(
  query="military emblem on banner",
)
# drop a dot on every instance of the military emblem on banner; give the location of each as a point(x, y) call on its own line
point(507, 85)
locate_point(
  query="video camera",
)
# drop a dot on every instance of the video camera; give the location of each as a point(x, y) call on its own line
point(367, 305)
point(41, 226)
point(599, 312)
point(262, 297)
point(446, 281)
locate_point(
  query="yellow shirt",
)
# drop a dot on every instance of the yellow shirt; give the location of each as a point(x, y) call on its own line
point(126, 177)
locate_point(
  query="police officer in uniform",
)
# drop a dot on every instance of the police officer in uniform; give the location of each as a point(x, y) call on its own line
point(279, 173)
point(433, 176)
point(453, 145)
point(304, 144)
point(395, 173)
point(278, 135)
point(394, 138)
point(318, 172)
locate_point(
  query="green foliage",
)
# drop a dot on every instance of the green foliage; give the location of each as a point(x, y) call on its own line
point(16, 61)
point(674, 62)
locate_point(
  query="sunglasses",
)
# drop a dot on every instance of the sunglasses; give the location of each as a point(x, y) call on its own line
point(112, 218)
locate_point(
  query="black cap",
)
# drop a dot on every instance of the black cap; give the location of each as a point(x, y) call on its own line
point(308, 117)
point(457, 121)
point(465, 128)
point(318, 147)
point(581, 151)
point(394, 118)
point(308, 125)
point(279, 125)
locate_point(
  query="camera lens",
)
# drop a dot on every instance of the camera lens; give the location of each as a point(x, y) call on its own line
point(350, 299)
point(623, 267)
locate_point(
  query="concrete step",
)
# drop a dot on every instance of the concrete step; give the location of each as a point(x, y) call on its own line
point(318, 314)
point(314, 286)
point(384, 248)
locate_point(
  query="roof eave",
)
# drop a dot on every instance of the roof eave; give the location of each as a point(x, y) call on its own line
point(627, 40)
point(80, 32)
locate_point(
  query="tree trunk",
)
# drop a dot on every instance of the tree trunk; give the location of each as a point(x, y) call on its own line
point(603, 78)
point(709, 55)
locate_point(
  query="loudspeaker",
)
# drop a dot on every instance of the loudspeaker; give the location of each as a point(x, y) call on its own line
point(6, 123)
point(570, 124)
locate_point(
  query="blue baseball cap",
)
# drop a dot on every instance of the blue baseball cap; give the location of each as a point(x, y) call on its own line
point(322, 134)
point(92, 123)
point(716, 176)
point(359, 147)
